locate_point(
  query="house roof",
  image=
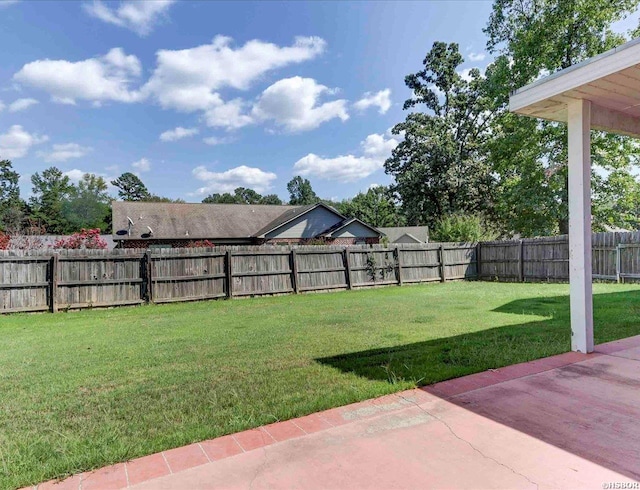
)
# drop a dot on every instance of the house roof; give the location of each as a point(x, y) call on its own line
point(343, 224)
point(192, 221)
point(419, 233)
point(161, 220)
point(410, 236)
point(292, 214)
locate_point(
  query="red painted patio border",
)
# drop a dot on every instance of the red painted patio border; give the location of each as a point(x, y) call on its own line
point(124, 475)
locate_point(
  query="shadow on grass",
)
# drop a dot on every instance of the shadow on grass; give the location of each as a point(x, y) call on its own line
point(616, 315)
point(585, 409)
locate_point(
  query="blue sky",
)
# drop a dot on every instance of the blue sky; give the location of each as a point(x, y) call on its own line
point(202, 97)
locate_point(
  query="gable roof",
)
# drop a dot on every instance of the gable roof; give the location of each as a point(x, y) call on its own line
point(192, 221)
point(409, 236)
point(419, 233)
point(343, 224)
point(292, 214)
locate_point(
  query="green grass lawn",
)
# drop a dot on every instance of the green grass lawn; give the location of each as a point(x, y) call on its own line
point(85, 389)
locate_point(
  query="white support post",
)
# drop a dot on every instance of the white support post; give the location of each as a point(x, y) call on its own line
point(579, 126)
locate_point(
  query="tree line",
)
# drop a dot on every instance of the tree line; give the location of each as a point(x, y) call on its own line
point(56, 206)
point(60, 207)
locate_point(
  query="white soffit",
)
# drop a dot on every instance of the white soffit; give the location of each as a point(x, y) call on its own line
point(611, 81)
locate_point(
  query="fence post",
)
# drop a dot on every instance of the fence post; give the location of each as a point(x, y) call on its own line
point(294, 270)
point(618, 263)
point(443, 274)
point(229, 274)
point(347, 266)
point(521, 261)
point(399, 261)
point(478, 263)
point(53, 284)
point(147, 279)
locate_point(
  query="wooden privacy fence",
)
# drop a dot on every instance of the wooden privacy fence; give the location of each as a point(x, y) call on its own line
point(615, 257)
point(72, 279)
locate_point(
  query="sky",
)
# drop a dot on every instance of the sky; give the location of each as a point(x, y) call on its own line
point(203, 97)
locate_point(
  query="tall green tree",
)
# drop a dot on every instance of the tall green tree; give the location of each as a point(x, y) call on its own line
point(12, 207)
point(131, 188)
point(272, 199)
point(440, 167)
point(376, 207)
point(247, 196)
point(616, 202)
point(9, 189)
point(88, 205)
point(218, 198)
point(242, 195)
point(157, 198)
point(51, 189)
point(530, 39)
point(301, 192)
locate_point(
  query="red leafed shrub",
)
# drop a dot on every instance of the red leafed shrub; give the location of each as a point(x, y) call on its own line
point(87, 239)
point(4, 241)
point(200, 243)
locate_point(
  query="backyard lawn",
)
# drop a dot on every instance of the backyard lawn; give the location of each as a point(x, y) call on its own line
point(81, 390)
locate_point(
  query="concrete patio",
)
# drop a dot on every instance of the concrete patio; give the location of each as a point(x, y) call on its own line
point(568, 421)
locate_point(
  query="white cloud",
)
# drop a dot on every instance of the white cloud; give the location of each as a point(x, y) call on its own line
point(344, 168)
point(142, 165)
point(439, 93)
point(216, 140)
point(477, 56)
point(16, 142)
point(229, 115)
point(178, 133)
point(75, 175)
point(140, 16)
point(466, 73)
point(190, 80)
point(106, 78)
point(6, 3)
point(376, 148)
point(227, 181)
point(21, 104)
point(1, 106)
point(379, 146)
point(294, 103)
point(187, 80)
point(64, 152)
point(381, 100)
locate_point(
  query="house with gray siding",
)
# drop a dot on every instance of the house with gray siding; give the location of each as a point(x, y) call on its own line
point(157, 224)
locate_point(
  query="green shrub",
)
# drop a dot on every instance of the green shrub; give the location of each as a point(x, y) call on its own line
point(462, 228)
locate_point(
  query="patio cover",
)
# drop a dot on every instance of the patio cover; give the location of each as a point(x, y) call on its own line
point(601, 93)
